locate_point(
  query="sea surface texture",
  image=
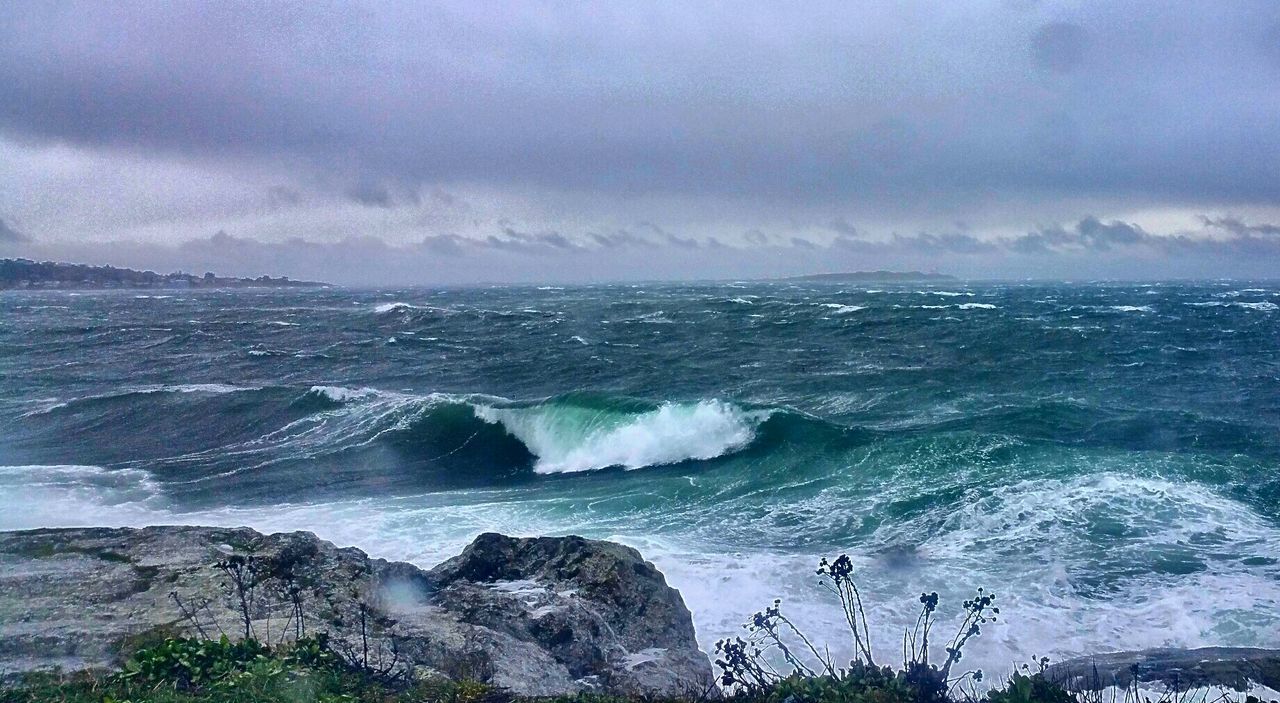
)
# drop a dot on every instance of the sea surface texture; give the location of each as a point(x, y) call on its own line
point(1104, 457)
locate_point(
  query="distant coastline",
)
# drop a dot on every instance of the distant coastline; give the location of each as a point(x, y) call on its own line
point(22, 274)
point(872, 276)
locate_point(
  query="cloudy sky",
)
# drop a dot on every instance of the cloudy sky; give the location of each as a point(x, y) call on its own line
point(475, 141)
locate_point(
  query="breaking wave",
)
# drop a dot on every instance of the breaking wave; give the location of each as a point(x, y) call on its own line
point(569, 437)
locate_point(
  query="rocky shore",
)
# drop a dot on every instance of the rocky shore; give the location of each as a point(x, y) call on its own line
point(539, 617)
point(536, 616)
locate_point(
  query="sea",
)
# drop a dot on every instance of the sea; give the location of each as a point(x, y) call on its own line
point(1105, 457)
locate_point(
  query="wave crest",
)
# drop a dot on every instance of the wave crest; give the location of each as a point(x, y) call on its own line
point(568, 437)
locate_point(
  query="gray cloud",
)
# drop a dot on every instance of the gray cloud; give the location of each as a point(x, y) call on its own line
point(774, 103)
point(9, 235)
point(1059, 46)
point(1239, 228)
point(283, 196)
point(841, 226)
point(1087, 234)
point(514, 254)
point(644, 139)
point(371, 194)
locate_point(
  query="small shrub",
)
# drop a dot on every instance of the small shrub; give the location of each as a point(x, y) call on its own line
point(1033, 688)
point(191, 662)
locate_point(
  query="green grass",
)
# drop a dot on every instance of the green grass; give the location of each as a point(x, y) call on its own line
point(179, 670)
point(270, 681)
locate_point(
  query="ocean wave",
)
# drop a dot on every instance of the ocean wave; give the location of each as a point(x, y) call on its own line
point(185, 388)
point(440, 438)
point(401, 307)
point(976, 306)
point(36, 493)
point(213, 388)
point(340, 394)
point(838, 309)
point(568, 438)
point(1264, 306)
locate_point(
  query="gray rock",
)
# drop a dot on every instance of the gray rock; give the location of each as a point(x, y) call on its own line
point(541, 616)
point(1181, 669)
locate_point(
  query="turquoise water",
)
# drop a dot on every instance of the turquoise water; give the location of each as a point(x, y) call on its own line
point(1103, 456)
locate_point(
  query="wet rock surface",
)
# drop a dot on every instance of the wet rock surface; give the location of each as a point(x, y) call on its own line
point(1237, 668)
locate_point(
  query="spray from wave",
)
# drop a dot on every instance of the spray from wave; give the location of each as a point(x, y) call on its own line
point(567, 438)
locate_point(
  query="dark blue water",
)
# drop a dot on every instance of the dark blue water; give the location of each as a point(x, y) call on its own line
point(1104, 456)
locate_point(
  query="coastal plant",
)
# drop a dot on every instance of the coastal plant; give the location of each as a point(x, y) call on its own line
point(244, 575)
point(775, 655)
point(1030, 688)
point(373, 649)
point(188, 662)
point(191, 613)
point(838, 578)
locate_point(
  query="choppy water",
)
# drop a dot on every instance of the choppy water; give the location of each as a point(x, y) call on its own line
point(1103, 456)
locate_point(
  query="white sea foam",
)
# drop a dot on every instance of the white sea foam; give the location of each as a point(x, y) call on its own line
point(839, 309)
point(37, 495)
point(51, 404)
point(1131, 308)
point(976, 306)
point(568, 439)
point(213, 388)
point(340, 394)
point(1264, 306)
point(384, 308)
point(1034, 542)
point(1075, 563)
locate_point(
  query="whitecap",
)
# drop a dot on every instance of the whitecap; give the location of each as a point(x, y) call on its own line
point(839, 309)
point(211, 388)
point(1266, 306)
point(341, 394)
point(384, 308)
point(566, 438)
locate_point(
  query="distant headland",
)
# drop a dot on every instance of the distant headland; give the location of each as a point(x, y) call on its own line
point(872, 276)
point(24, 274)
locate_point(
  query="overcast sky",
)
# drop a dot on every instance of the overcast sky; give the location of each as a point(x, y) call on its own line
point(453, 142)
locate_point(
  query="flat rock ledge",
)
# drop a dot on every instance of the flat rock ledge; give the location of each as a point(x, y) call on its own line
point(1238, 668)
point(539, 616)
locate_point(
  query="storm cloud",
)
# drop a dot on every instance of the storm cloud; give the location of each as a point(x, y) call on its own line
point(9, 235)
point(646, 130)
